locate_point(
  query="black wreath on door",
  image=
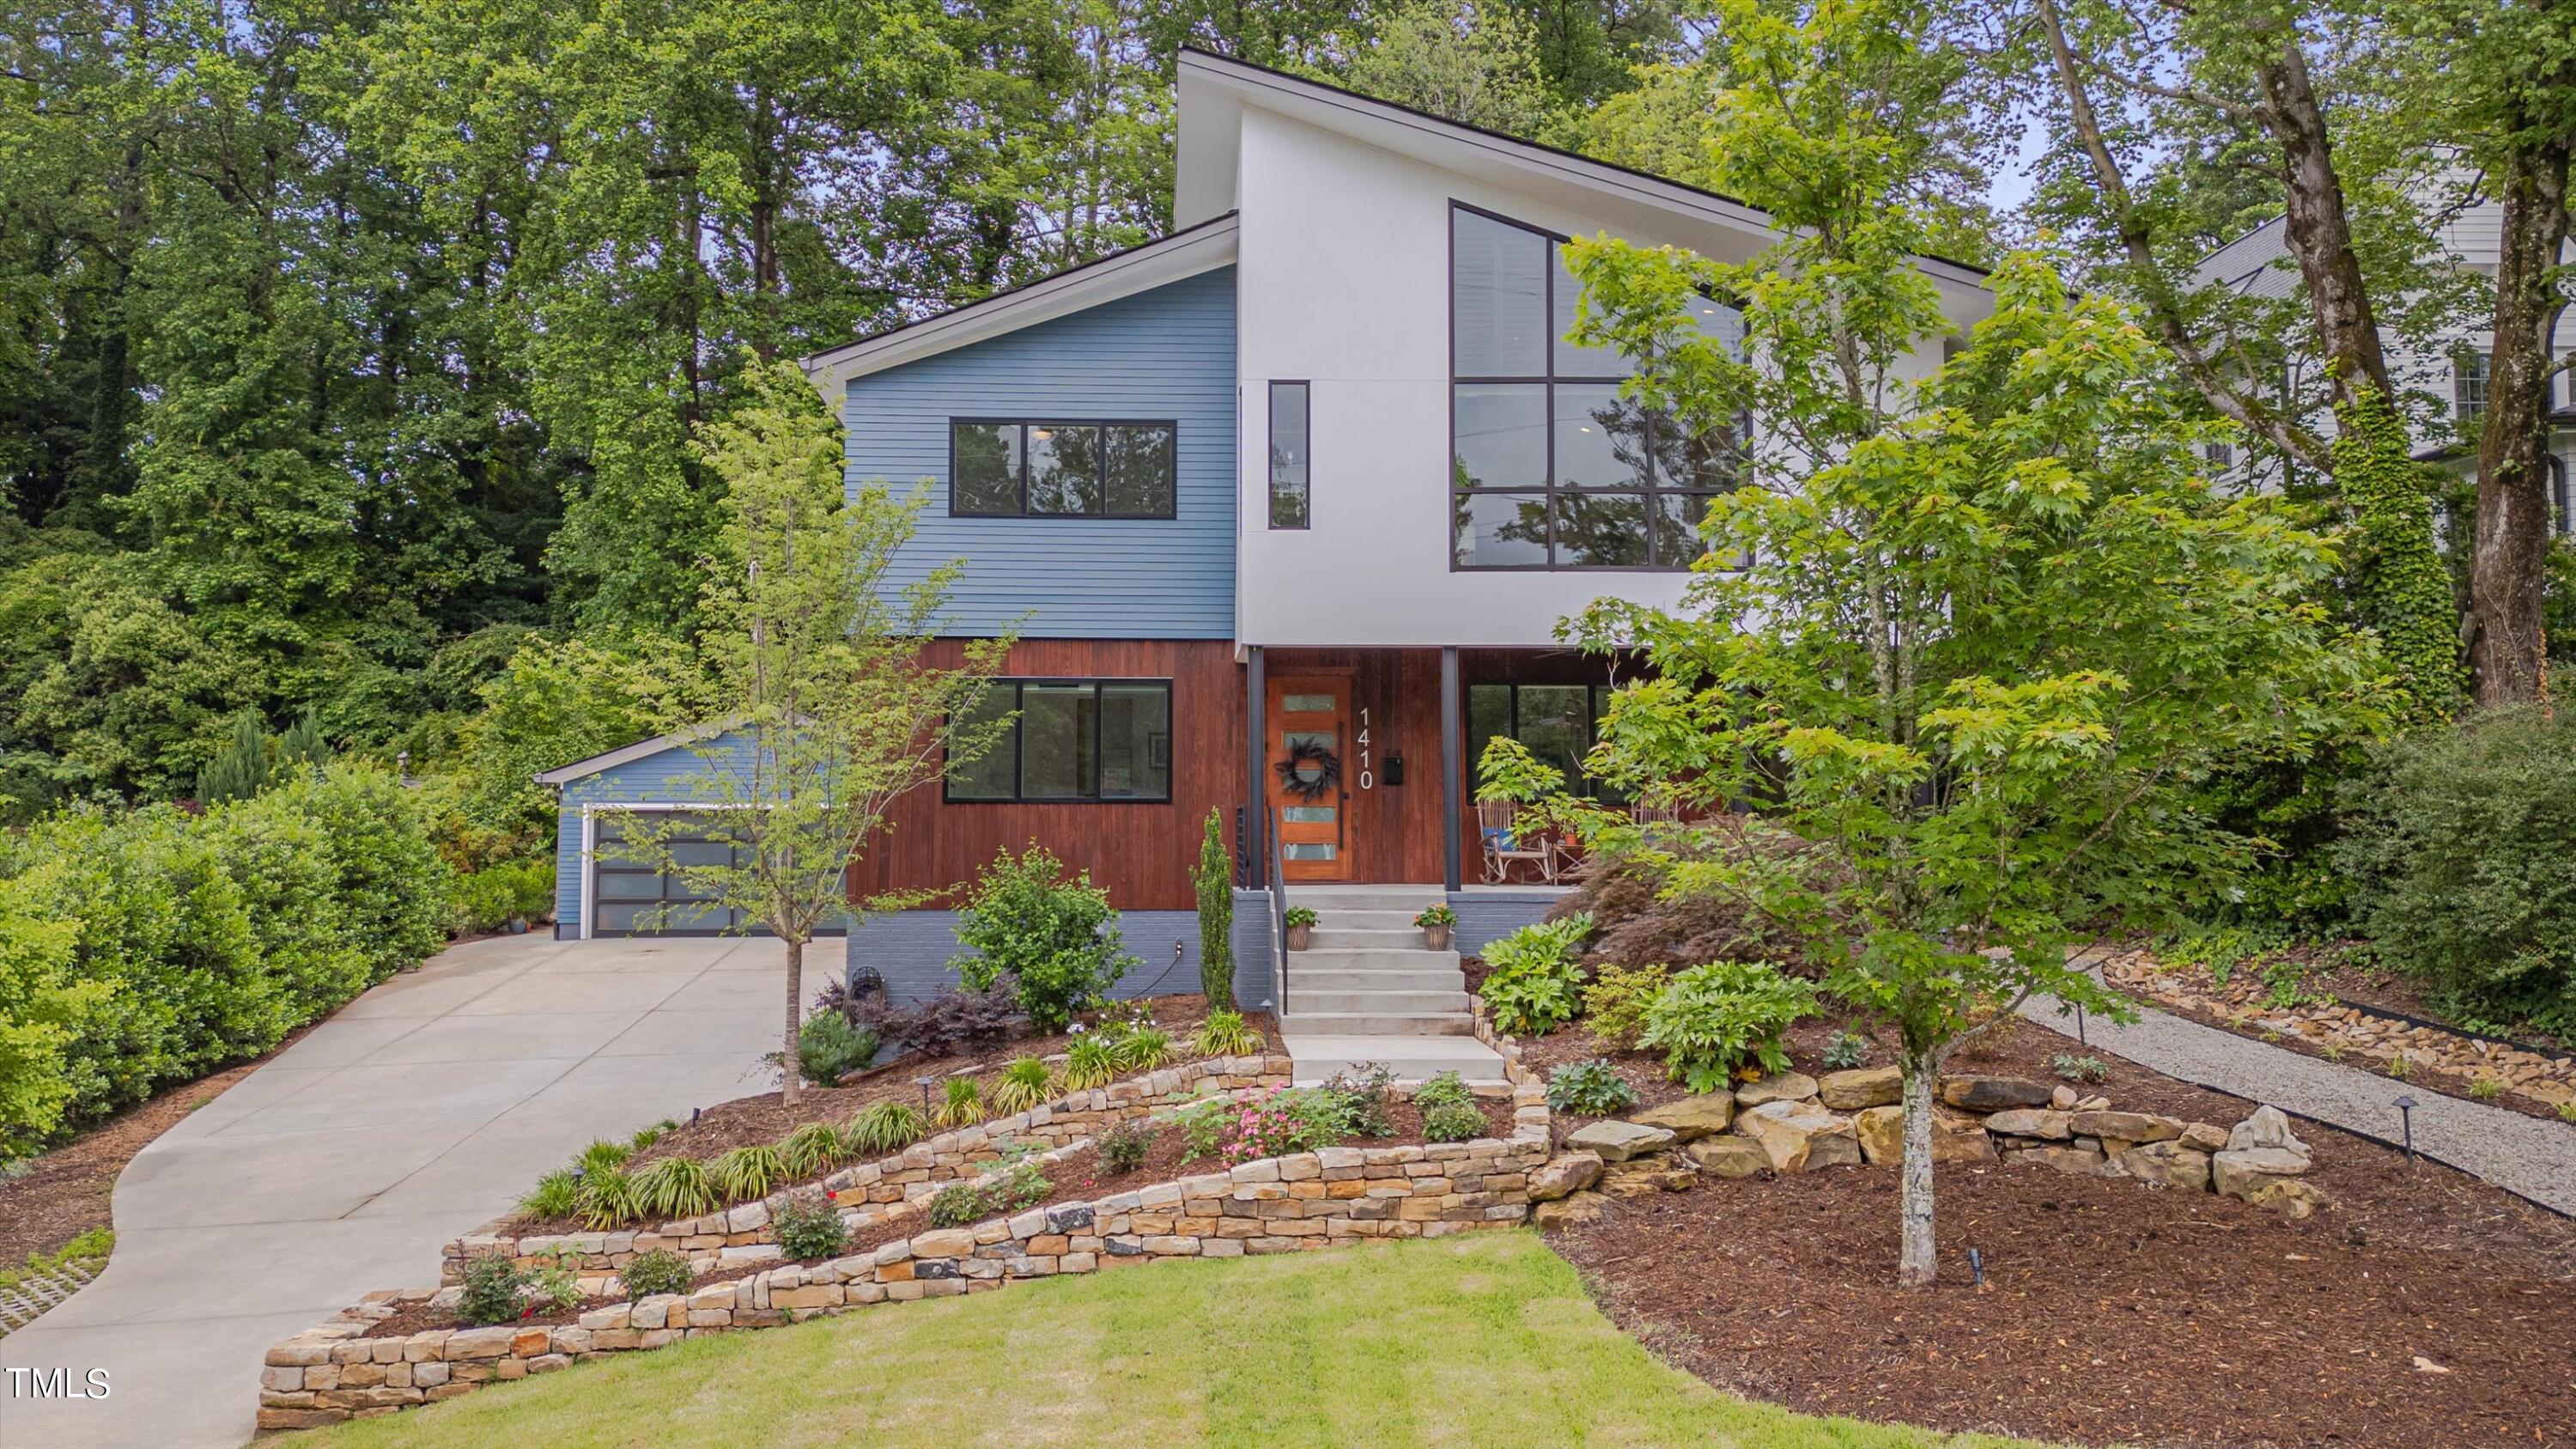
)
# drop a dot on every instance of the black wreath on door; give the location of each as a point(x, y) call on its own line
point(1309, 771)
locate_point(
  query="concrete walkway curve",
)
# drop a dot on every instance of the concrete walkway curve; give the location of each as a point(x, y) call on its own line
point(2530, 1157)
point(421, 1109)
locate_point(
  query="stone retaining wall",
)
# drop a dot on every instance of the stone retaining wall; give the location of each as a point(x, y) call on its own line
point(871, 1192)
point(331, 1373)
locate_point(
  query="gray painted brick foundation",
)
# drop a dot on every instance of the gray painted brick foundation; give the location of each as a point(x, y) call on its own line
point(912, 949)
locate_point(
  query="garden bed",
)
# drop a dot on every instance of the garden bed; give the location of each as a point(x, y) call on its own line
point(2115, 1310)
point(1299, 1201)
point(1077, 1176)
point(763, 1116)
point(2347, 1014)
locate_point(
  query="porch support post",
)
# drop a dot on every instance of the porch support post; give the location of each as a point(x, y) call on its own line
point(1451, 733)
point(1256, 836)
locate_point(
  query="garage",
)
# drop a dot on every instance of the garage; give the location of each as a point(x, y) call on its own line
point(604, 885)
point(631, 895)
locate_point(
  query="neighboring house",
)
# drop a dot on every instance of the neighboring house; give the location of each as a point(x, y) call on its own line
point(1309, 481)
point(2448, 379)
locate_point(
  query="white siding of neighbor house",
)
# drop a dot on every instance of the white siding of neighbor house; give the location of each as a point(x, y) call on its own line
point(1344, 274)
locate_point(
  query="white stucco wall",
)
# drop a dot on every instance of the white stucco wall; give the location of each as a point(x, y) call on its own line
point(1344, 276)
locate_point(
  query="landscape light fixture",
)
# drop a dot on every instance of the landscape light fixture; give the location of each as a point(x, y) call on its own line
point(924, 1084)
point(2079, 1026)
point(2406, 1120)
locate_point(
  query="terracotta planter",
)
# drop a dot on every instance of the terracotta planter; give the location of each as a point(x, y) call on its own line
point(1298, 936)
point(1436, 938)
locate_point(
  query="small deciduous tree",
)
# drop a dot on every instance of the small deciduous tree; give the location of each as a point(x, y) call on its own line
point(1978, 631)
point(832, 707)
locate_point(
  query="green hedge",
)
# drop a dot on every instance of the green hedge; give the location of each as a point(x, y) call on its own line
point(2461, 844)
point(141, 948)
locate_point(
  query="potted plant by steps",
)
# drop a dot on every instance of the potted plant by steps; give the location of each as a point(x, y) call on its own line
point(1301, 926)
point(1437, 922)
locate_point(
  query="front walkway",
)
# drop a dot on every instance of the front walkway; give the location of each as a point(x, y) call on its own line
point(2527, 1156)
point(420, 1110)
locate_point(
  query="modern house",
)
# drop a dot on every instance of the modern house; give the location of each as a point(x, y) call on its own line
point(1285, 509)
point(2447, 380)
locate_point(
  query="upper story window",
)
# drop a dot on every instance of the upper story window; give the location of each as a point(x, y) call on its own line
point(1073, 740)
point(1008, 468)
point(1550, 467)
point(2469, 385)
point(1291, 429)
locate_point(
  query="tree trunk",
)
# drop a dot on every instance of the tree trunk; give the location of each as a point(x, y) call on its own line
point(2318, 232)
point(793, 1086)
point(2507, 653)
point(1915, 1266)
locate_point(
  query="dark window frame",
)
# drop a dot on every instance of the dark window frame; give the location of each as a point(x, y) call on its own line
point(1595, 703)
point(1650, 488)
point(1270, 481)
point(1024, 422)
point(1099, 738)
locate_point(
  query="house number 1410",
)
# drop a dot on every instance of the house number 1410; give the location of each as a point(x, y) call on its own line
point(1367, 777)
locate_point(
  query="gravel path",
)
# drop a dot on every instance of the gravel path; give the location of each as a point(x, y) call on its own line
point(2530, 1157)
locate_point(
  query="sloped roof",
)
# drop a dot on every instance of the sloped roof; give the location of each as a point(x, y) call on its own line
point(628, 754)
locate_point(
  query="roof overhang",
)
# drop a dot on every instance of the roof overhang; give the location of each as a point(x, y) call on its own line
point(1186, 252)
point(1215, 90)
point(641, 749)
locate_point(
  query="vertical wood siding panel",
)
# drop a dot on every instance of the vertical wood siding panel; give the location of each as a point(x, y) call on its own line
point(1166, 353)
point(1140, 853)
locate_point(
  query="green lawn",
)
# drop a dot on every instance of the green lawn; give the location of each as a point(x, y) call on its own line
point(1476, 1340)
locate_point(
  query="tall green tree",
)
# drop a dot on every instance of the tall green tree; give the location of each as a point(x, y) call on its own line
point(2261, 74)
point(1469, 62)
point(1977, 628)
point(825, 676)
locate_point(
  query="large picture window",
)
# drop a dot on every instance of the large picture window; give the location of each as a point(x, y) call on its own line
point(1557, 722)
point(1073, 740)
point(1002, 468)
point(1550, 467)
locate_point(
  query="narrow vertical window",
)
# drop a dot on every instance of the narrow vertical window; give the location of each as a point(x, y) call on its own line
point(2469, 385)
point(1289, 429)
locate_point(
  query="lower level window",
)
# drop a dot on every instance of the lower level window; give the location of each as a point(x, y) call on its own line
point(1072, 739)
point(1558, 723)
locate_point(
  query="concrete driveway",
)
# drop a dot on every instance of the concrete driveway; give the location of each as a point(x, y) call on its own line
point(423, 1108)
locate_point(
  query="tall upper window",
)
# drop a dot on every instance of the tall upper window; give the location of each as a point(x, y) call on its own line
point(1007, 469)
point(2469, 385)
point(1290, 429)
point(1071, 740)
point(1550, 467)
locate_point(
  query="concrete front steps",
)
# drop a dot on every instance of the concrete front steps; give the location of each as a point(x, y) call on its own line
point(1365, 990)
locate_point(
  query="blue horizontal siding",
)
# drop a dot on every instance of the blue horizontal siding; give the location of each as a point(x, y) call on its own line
point(1166, 353)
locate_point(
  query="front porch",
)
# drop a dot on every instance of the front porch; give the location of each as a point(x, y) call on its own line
point(1362, 761)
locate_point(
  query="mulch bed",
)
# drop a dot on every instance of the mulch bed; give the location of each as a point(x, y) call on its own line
point(66, 1191)
point(2328, 970)
point(2116, 1312)
point(763, 1118)
point(1082, 1177)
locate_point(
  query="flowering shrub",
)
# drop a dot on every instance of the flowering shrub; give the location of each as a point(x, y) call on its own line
point(1266, 1126)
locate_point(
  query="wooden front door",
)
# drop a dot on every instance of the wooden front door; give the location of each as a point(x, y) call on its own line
point(1307, 721)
